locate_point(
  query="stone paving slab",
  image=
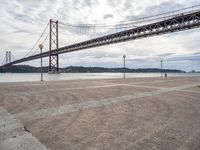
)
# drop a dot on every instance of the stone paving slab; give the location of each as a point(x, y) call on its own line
point(13, 135)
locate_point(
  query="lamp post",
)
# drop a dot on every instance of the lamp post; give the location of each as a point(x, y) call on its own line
point(124, 57)
point(41, 47)
point(161, 68)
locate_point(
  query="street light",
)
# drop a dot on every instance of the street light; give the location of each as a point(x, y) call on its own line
point(161, 66)
point(41, 47)
point(124, 56)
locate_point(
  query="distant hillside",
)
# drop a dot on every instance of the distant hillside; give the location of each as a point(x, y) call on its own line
point(80, 69)
point(22, 69)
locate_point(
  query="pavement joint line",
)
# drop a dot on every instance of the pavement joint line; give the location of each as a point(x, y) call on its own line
point(13, 139)
point(89, 87)
point(144, 86)
point(189, 91)
point(138, 85)
point(143, 82)
point(65, 89)
point(42, 113)
point(53, 82)
point(102, 86)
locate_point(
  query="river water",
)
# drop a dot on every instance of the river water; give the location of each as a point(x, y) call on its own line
point(18, 77)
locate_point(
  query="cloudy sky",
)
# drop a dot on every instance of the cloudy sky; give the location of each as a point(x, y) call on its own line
point(22, 22)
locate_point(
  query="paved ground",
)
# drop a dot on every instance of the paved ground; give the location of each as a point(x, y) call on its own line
point(112, 114)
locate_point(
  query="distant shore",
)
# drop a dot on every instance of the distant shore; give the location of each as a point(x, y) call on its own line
point(81, 69)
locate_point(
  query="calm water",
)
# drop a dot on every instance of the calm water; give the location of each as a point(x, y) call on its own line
point(17, 77)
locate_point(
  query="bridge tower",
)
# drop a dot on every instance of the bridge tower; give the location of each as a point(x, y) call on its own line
point(8, 57)
point(53, 44)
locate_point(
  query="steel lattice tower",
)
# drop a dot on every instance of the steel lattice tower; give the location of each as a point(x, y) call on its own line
point(53, 45)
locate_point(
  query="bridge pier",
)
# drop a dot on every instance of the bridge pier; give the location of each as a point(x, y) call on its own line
point(53, 45)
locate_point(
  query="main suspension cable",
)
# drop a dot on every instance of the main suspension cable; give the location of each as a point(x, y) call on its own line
point(37, 41)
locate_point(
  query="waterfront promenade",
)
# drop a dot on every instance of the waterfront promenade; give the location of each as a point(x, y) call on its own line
point(102, 114)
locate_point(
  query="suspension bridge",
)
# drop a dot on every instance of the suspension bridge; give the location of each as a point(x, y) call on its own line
point(95, 35)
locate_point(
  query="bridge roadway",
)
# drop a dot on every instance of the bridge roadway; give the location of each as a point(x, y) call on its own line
point(180, 22)
point(108, 114)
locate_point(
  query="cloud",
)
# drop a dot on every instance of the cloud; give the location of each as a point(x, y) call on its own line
point(166, 54)
point(166, 6)
point(198, 53)
point(108, 16)
point(23, 21)
point(185, 58)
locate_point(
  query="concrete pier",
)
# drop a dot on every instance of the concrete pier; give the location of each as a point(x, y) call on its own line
point(108, 114)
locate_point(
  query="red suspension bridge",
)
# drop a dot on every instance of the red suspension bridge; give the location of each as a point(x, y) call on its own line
point(183, 19)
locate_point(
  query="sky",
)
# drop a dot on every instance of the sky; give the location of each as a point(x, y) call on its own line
point(22, 22)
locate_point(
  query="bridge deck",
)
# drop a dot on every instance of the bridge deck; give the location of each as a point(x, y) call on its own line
point(143, 113)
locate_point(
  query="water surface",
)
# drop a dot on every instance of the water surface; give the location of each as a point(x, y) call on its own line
point(18, 77)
